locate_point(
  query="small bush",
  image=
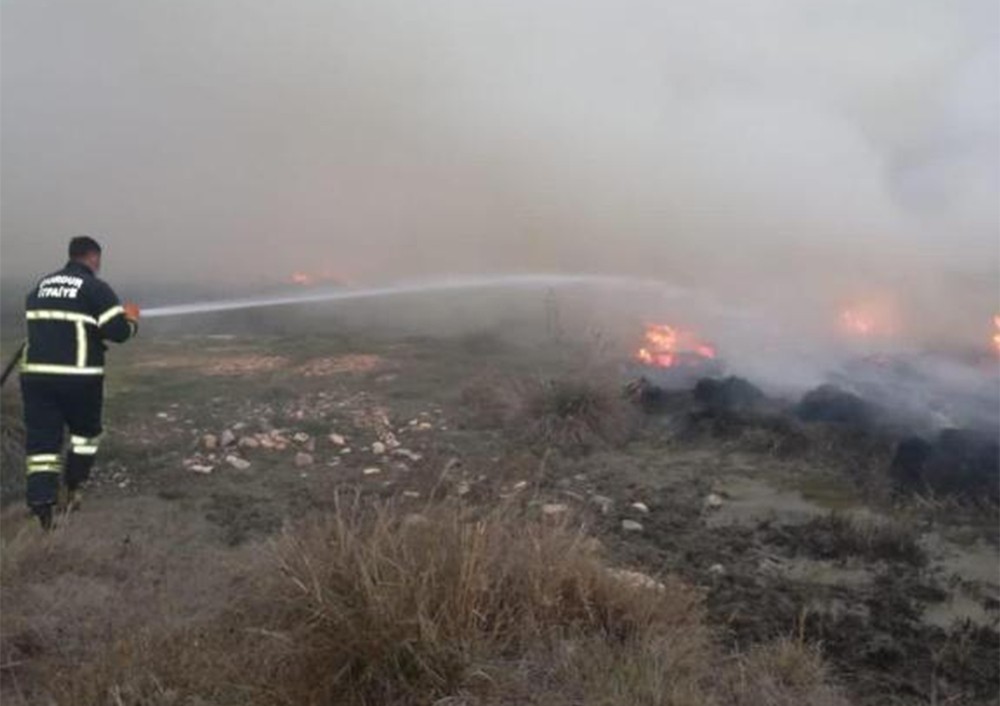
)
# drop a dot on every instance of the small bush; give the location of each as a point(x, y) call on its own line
point(577, 415)
point(572, 414)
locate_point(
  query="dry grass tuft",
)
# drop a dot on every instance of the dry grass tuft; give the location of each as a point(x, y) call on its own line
point(836, 535)
point(577, 414)
point(574, 414)
point(11, 446)
point(785, 672)
point(369, 606)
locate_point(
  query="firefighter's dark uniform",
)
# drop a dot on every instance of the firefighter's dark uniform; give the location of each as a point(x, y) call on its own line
point(70, 314)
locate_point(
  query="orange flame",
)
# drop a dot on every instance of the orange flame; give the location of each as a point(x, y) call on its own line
point(308, 279)
point(666, 346)
point(875, 317)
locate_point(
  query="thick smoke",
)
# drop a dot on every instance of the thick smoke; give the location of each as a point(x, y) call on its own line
point(782, 154)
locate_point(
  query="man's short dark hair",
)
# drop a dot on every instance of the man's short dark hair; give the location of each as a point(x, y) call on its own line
point(83, 245)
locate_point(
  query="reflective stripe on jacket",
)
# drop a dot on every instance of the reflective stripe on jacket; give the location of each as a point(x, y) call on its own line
point(70, 314)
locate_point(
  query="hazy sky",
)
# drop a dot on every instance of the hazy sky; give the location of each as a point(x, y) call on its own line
point(753, 146)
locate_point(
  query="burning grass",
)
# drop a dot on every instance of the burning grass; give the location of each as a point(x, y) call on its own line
point(370, 606)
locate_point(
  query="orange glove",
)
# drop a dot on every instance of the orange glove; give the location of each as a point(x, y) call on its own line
point(131, 311)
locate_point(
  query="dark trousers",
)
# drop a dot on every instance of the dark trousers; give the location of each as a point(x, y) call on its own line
point(53, 403)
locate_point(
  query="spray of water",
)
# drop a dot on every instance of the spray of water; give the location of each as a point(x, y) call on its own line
point(510, 281)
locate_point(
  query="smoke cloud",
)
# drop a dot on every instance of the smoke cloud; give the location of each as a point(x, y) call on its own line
point(782, 153)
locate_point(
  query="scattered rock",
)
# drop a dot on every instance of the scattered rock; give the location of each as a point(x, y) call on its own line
point(378, 448)
point(303, 459)
point(249, 442)
point(162, 415)
point(717, 570)
point(390, 440)
point(372, 471)
point(337, 440)
point(520, 485)
point(311, 445)
point(554, 509)
point(210, 441)
point(603, 502)
point(713, 501)
point(636, 579)
point(346, 450)
point(424, 426)
point(631, 526)
point(411, 494)
point(200, 468)
point(463, 488)
point(301, 437)
point(406, 453)
point(228, 438)
point(240, 464)
point(640, 507)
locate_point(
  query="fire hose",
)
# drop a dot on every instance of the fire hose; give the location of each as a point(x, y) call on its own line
point(12, 363)
point(445, 284)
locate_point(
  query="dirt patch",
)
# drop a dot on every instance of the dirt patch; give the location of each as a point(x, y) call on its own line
point(229, 365)
point(341, 364)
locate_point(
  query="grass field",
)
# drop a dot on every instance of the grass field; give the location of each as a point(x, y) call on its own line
point(475, 518)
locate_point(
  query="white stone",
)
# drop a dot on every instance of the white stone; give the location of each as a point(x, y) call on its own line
point(372, 471)
point(240, 464)
point(249, 442)
point(603, 502)
point(301, 437)
point(553, 509)
point(303, 459)
point(631, 526)
point(520, 485)
point(346, 450)
point(411, 494)
point(637, 579)
point(337, 440)
point(201, 468)
point(228, 438)
point(210, 441)
point(640, 507)
point(406, 453)
point(717, 569)
point(713, 501)
point(424, 426)
point(463, 488)
point(378, 448)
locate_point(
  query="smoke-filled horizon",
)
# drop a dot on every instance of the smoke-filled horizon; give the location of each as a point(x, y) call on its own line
point(779, 152)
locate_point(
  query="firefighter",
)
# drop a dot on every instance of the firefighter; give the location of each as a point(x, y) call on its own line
point(70, 314)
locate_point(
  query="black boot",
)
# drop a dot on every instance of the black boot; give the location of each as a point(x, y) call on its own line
point(44, 515)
